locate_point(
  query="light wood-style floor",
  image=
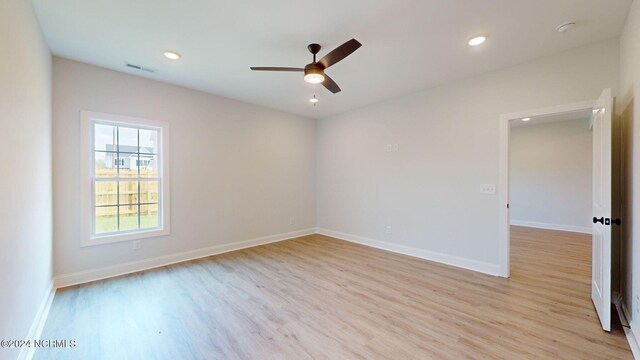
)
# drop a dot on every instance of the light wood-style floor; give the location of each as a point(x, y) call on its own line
point(320, 298)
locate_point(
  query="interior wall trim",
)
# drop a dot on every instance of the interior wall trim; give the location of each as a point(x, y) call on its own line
point(27, 352)
point(539, 225)
point(460, 262)
point(146, 264)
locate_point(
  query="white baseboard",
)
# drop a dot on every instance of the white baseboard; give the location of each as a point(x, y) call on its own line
point(26, 353)
point(146, 264)
point(539, 225)
point(632, 336)
point(634, 339)
point(469, 264)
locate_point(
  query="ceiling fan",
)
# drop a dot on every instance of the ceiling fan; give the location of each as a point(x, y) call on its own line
point(314, 72)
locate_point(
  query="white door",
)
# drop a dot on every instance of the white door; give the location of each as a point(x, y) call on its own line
point(601, 209)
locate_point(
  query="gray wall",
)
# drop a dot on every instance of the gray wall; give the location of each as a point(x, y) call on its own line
point(627, 107)
point(427, 192)
point(238, 171)
point(550, 175)
point(25, 183)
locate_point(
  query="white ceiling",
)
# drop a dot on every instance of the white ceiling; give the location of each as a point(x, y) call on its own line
point(408, 45)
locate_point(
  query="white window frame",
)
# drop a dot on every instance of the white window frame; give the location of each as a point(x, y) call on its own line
point(87, 197)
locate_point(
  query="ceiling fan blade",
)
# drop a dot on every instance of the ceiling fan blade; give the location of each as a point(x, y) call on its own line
point(330, 84)
point(340, 53)
point(276, 69)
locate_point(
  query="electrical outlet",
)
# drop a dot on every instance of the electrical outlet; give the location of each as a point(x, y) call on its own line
point(137, 244)
point(292, 220)
point(387, 229)
point(488, 189)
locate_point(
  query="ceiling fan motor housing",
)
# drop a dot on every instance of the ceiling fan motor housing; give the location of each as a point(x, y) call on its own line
point(313, 68)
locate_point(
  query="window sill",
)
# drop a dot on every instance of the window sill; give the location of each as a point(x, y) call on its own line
point(114, 238)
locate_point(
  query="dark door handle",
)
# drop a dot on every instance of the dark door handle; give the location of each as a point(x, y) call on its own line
point(606, 221)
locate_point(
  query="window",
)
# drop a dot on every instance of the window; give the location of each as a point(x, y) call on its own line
point(125, 184)
point(143, 163)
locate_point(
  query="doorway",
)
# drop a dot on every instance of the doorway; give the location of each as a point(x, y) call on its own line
point(601, 122)
point(550, 171)
point(506, 121)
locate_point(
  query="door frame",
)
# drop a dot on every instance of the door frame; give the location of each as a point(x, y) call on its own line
point(503, 171)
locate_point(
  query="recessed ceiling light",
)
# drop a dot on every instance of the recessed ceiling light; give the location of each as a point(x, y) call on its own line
point(526, 119)
point(172, 55)
point(314, 100)
point(565, 26)
point(479, 40)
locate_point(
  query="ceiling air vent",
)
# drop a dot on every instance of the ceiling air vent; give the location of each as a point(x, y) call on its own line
point(142, 68)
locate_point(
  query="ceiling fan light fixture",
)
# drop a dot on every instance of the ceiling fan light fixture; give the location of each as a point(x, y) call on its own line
point(314, 78)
